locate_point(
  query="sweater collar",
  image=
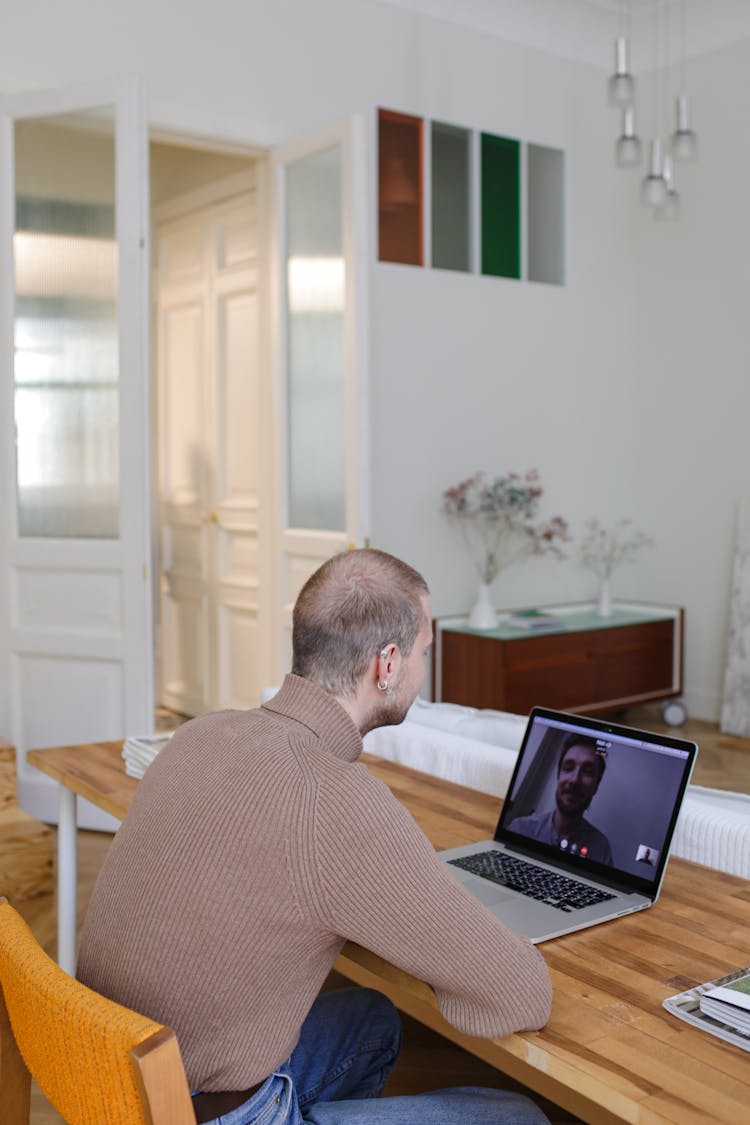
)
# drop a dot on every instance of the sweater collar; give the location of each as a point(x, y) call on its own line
point(313, 707)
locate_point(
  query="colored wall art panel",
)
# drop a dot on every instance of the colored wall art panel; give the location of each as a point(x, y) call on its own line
point(501, 206)
point(400, 192)
point(545, 214)
point(451, 197)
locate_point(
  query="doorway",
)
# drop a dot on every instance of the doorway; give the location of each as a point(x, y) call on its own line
point(205, 382)
point(79, 654)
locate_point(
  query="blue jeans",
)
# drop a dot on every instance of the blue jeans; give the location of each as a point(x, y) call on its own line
point(348, 1046)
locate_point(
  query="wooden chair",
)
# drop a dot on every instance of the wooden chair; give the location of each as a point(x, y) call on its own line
point(96, 1061)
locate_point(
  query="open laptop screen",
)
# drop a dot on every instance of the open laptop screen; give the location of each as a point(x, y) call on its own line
point(598, 798)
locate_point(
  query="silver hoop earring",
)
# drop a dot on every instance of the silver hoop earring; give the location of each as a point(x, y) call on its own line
point(385, 687)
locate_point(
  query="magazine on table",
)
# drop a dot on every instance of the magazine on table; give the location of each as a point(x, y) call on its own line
point(704, 1007)
point(729, 1002)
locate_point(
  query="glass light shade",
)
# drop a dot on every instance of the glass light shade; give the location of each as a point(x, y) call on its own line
point(684, 145)
point(627, 145)
point(621, 89)
point(668, 171)
point(653, 191)
point(627, 152)
point(684, 142)
point(654, 186)
point(621, 86)
point(669, 210)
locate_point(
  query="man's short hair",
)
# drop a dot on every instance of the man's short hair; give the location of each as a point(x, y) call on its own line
point(352, 607)
point(590, 744)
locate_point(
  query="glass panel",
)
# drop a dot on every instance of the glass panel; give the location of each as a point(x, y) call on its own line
point(450, 197)
point(400, 188)
point(545, 171)
point(315, 376)
point(501, 215)
point(66, 355)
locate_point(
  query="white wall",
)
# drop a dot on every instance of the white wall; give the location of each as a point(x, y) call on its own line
point(483, 373)
point(692, 371)
point(472, 372)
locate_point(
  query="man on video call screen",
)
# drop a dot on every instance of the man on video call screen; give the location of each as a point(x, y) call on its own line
point(597, 797)
point(580, 769)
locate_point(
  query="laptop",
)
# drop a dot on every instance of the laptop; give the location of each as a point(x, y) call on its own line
point(585, 829)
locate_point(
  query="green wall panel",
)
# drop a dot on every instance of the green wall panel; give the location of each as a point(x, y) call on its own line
point(501, 206)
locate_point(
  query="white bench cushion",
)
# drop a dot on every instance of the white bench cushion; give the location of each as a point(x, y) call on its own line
point(714, 829)
point(467, 761)
point(498, 728)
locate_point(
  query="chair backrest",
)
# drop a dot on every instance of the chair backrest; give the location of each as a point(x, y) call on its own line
point(94, 1060)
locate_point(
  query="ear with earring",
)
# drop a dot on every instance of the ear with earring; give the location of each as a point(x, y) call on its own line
point(384, 686)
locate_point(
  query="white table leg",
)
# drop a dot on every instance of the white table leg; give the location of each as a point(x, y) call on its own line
point(67, 880)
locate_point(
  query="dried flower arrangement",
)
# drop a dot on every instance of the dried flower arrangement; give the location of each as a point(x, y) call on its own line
point(498, 521)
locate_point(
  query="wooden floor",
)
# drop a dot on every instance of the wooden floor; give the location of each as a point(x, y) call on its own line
point(723, 760)
point(427, 1061)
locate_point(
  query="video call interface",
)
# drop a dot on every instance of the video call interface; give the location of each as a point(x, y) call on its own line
point(596, 797)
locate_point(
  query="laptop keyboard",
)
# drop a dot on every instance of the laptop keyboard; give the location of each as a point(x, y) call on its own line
point(537, 882)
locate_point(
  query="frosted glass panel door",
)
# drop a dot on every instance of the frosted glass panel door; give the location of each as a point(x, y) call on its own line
point(76, 652)
point(66, 363)
point(315, 348)
point(319, 265)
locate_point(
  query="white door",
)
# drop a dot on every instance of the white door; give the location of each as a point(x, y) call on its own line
point(75, 634)
point(319, 500)
point(207, 344)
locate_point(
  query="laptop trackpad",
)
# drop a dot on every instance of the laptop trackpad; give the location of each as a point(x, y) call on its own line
point(489, 893)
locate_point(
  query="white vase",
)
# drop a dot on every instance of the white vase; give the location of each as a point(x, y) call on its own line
point(483, 614)
point(604, 604)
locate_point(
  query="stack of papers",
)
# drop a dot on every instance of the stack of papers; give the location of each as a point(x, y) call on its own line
point(692, 1006)
point(139, 752)
point(730, 1003)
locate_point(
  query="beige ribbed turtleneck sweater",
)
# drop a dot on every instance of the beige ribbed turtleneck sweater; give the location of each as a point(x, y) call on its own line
point(256, 845)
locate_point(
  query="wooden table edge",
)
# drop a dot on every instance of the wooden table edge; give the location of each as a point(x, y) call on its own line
point(525, 1057)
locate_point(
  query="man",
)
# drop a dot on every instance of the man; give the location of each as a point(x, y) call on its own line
point(256, 845)
point(580, 769)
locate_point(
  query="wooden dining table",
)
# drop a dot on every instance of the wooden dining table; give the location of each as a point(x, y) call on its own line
point(610, 1052)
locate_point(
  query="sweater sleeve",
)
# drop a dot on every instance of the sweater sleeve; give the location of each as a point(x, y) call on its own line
point(382, 885)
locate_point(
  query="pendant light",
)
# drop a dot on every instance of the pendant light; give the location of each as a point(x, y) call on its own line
point(658, 191)
point(621, 86)
point(628, 145)
point(684, 142)
point(669, 210)
point(653, 185)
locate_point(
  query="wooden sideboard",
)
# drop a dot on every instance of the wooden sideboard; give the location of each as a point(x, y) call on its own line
point(588, 664)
